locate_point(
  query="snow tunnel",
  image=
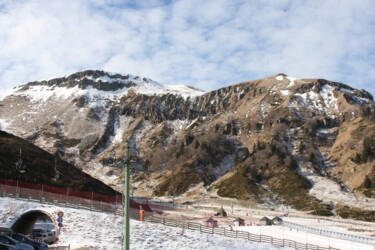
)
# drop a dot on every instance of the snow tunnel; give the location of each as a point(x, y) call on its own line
point(27, 222)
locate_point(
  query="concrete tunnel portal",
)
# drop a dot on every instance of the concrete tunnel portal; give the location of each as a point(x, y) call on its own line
point(26, 222)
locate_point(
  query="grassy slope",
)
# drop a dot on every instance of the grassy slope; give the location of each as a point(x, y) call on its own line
point(39, 167)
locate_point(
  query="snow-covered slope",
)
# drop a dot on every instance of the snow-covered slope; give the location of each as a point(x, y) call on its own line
point(94, 230)
point(249, 133)
point(96, 87)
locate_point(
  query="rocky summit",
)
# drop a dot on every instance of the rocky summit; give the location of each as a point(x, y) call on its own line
point(308, 143)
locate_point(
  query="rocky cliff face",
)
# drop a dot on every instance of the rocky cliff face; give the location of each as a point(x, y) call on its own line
point(261, 140)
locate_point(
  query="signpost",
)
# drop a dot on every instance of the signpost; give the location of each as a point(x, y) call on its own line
point(60, 220)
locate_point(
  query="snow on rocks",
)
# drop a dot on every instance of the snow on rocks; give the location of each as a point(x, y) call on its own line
point(324, 101)
point(328, 96)
point(3, 124)
point(291, 81)
point(40, 93)
point(285, 92)
point(279, 78)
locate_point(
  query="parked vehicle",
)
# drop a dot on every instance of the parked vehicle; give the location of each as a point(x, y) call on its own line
point(6, 231)
point(7, 247)
point(10, 241)
point(43, 235)
point(24, 239)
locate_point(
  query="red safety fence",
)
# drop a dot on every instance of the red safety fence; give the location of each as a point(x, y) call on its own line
point(67, 195)
point(38, 190)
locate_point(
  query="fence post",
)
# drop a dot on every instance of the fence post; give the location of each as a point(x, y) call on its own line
point(66, 196)
point(41, 198)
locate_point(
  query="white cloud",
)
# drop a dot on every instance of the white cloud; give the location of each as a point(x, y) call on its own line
point(207, 44)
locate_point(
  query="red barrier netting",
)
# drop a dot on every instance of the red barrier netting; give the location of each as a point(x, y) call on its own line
point(66, 194)
point(53, 192)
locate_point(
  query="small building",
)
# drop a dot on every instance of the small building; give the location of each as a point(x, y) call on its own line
point(221, 212)
point(238, 222)
point(211, 222)
point(277, 220)
point(265, 221)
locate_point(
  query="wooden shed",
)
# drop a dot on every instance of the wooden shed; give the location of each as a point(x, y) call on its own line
point(277, 220)
point(238, 222)
point(221, 212)
point(265, 221)
point(211, 222)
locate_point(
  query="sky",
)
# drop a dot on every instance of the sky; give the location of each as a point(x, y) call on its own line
point(205, 44)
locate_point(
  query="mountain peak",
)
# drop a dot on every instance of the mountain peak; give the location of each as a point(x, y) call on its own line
point(99, 79)
point(101, 84)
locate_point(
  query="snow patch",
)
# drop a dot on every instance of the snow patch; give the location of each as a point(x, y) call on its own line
point(3, 124)
point(346, 90)
point(328, 96)
point(303, 97)
point(291, 81)
point(279, 77)
point(285, 92)
point(329, 191)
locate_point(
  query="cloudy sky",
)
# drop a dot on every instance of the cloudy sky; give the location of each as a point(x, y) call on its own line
point(206, 44)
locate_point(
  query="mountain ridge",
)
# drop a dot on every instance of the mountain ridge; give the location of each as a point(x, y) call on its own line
point(236, 141)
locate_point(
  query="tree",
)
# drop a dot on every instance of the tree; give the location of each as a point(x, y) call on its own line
point(367, 182)
point(368, 149)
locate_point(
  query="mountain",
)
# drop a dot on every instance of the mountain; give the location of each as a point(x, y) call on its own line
point(309, 143)
point(23, 161)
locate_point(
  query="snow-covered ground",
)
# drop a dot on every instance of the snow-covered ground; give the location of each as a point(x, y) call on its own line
point(305, 238)
point(94, 230)
point(253, 215)
point(329, 191)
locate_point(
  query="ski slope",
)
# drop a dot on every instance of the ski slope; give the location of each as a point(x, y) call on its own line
point(93, 230)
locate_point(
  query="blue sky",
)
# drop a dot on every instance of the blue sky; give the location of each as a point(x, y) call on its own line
point(206, 44)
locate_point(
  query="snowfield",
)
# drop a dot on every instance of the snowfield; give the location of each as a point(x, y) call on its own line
point(94, 230)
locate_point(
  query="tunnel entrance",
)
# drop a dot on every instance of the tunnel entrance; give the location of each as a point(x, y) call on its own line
point(32, 221)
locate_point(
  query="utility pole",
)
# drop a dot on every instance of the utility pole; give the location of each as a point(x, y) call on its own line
point(126, 200)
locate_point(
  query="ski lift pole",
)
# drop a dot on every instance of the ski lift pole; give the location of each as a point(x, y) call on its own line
point(126, 200)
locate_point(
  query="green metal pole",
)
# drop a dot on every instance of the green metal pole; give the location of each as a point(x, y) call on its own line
point(126, 200)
